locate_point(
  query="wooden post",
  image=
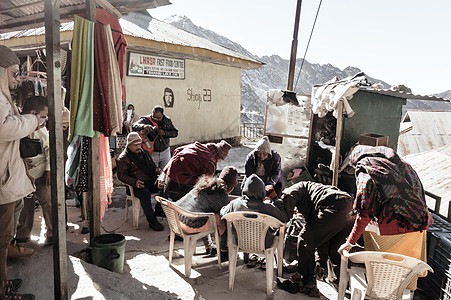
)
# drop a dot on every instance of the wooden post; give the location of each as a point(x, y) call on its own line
point(93, 160)
point(294, 47)
point(337, 142)
point(52, 41)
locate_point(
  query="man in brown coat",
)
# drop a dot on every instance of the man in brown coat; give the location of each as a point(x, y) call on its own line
point(136, 168)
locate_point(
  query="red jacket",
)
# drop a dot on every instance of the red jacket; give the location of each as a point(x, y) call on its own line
point(191, 161)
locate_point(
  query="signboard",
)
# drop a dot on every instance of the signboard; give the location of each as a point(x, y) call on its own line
point(286, 119)
point(155, 66)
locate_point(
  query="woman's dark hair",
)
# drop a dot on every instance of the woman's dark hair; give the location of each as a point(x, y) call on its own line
point(36, 103)
point(210, 184)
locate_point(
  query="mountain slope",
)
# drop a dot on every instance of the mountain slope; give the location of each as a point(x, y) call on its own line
point(274, 74)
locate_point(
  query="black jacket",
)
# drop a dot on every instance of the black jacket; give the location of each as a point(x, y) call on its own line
point(161, 142)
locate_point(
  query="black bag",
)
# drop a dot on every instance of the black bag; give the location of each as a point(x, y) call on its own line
point(30, 147)
point(294, 228)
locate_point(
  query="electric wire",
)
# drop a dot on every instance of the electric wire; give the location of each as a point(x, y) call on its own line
point(308, 43)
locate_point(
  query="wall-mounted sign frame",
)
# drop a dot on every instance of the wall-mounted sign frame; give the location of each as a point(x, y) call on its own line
point(147, 65)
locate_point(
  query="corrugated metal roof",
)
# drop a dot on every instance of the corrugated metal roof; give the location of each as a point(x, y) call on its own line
point(434, 169)
point(23, 14)
point(163, 32)
point(430, 130)
point(399, 94)
point(156, 31)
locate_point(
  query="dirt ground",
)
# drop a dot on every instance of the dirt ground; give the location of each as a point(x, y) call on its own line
point(147, 274)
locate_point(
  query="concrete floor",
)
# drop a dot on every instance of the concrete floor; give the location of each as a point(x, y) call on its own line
point(147, 274)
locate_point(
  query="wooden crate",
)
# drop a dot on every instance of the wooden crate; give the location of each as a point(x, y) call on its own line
point(373, 139)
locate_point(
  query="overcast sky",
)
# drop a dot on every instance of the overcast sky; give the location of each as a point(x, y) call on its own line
point(399, 41)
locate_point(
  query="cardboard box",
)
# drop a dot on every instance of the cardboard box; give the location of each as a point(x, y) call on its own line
point(373, 139)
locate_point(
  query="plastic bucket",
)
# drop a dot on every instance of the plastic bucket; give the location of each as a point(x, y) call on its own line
point(108, 251)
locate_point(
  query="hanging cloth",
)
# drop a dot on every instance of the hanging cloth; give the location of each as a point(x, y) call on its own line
point(73, 162)
point(84, 124)
point(106, 175)
point(119, 41)
point(101, 104)
point(114, 85)
point(78, 59)
point(82, 79)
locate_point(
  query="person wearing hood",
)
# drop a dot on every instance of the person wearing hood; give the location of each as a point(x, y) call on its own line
point(253, 199)
point(328, 220)
point(136, 168)
point(191, 161)
point(15, 182)
point(266, 164)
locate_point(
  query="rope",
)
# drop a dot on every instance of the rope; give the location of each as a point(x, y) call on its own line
point(308, 43)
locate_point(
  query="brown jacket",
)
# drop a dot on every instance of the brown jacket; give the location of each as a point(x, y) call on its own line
point(129, 172)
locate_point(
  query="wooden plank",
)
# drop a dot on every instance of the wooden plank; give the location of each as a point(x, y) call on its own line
point(93, 160)
point(110, 8)
point(52, 40)
point(310, 141)
point(20, 6)
point(337, 142)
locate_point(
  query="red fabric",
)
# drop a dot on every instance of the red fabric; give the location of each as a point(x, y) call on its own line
point(120, 43)
point(101, 97)
point(270, 192)
point(147, 144)
point(191, 161)
point(363, 219)
point(219, 223)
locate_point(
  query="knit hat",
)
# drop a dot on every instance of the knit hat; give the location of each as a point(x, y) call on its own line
point(222, 149)
point(8, 57)
point(229, 175)
point(263, 145)
point(66, 115)
point(133, 138)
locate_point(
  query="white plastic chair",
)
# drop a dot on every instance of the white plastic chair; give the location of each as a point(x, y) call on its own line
point(136, 204)
point(385, 276)
point(173, 211)
point(251, 231)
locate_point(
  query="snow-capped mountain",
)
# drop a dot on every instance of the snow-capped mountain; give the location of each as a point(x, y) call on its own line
point(274, 74)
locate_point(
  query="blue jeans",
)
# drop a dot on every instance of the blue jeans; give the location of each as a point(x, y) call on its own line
point(144, 195)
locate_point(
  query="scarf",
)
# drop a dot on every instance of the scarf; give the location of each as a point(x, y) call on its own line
point(398, 192)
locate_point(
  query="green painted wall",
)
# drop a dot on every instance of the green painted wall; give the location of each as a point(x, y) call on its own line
point(373, 114)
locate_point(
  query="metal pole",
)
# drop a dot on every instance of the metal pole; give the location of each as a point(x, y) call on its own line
point(294, 47)
point(52, 43)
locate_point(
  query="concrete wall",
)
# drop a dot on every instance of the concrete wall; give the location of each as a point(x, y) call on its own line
point(206, 103)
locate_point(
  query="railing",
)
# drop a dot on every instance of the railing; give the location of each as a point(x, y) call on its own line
point(251, 130)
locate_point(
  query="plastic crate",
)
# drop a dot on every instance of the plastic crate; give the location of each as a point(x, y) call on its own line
point(439, 254)
point(438, 284)
point(446, 287)
point(440, 224)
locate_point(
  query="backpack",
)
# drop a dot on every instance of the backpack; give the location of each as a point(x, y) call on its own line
point(295, 226)
point(147, 144)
